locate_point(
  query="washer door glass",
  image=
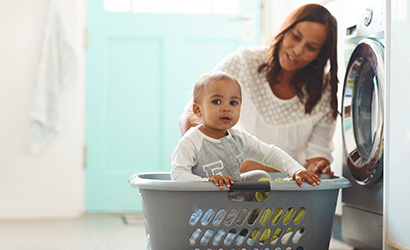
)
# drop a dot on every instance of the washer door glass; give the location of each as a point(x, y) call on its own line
point(362, 113)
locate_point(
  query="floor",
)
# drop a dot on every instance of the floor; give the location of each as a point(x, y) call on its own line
point(90, 232)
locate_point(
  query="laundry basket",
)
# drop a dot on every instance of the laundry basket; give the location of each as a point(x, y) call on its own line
point(198, 215)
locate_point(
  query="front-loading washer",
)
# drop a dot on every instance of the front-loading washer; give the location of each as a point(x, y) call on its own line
point(362, 130)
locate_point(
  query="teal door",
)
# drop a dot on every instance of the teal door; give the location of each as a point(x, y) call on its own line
point(140, 69)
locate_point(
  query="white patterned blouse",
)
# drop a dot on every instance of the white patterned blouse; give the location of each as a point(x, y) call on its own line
point(277, 121)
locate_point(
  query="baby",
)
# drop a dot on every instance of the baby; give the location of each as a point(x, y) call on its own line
point(214, 150)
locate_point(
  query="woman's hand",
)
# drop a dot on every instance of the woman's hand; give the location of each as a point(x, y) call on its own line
point(220, 180)
point(187, 120)
point(306, 176)
point(319, 166)
point(249, 165)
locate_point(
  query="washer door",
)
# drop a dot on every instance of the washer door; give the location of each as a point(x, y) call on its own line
point(362, 112)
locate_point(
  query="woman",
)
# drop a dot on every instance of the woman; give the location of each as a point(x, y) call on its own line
point(290, 89)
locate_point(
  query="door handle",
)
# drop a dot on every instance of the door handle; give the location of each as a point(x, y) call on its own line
point(239, 19)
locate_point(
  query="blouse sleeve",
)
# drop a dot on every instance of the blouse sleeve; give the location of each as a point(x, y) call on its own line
point(320, 143)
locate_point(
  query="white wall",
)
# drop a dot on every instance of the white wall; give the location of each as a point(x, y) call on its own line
point(397, 142)
point(50, 183)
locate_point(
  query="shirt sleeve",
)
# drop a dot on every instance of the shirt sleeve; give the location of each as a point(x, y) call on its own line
point(269, 155)
point(184, 157)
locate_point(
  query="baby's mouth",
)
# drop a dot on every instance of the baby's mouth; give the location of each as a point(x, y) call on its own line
point(226, 119)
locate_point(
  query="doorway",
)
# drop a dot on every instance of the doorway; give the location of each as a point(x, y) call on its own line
point(142, 62)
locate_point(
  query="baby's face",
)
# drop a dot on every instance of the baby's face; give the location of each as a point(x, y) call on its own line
point(220, 106)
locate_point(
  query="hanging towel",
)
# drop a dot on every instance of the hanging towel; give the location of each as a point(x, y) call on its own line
point(57, 68)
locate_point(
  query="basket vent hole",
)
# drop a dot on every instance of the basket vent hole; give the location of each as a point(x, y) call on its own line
point(218, 217)
point(218, 237)
point(286, 236)
point(254, 215)
point(229, 237)
point(288, 215)
point(244, 232)
point(242, 216)
point(289, 248)
point(193, 239)
point(299, 215)
point(207, 216)
point(195, 216)
point(254, 235)
point(299, 248)
point(241, 237)
point(207, 236)
point(298, 235)
point(265, 216)
point(276, 235)
point(276, 216)
point(231, 216)
point(265, 236)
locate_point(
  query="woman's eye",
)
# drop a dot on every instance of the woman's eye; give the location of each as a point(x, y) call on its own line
point(311, 48)
point(296, 37)
point(233, 103)
point(216, 101)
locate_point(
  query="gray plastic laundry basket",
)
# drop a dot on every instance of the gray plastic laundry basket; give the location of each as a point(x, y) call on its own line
point(199, 215)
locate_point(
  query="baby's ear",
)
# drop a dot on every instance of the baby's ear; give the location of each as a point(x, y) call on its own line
point(196, 109)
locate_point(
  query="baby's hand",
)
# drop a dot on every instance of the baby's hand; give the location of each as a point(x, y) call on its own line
point(220, 180)
point(307, 176)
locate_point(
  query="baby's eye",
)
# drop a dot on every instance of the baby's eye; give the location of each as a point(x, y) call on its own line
point(234, 103)
point(216, 101)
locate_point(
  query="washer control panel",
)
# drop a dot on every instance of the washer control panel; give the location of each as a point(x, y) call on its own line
point(370, 22)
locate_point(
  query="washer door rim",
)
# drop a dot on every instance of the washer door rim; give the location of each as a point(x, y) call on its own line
point(366, 169)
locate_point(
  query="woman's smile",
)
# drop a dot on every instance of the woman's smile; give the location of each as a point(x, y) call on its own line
point(291, 59)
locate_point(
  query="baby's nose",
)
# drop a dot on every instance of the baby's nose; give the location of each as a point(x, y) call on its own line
point(226, 109)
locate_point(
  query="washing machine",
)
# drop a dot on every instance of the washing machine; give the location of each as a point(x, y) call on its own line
point(362, 114)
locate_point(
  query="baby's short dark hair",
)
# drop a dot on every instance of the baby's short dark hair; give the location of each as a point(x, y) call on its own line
point(209, 77)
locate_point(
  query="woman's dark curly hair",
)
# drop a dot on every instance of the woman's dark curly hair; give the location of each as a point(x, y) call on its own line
point(314, 78)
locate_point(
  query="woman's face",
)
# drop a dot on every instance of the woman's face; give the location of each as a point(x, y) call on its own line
point(301, 45)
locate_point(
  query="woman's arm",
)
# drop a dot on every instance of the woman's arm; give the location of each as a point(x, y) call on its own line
point(187, 120)
point(253, 165)
point(317, 166)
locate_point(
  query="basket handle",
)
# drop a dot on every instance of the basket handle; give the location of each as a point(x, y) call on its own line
point(261, 186)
